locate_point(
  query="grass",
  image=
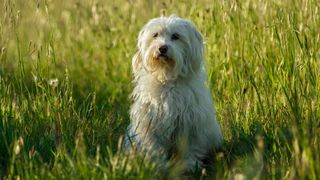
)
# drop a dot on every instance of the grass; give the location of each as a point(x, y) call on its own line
point(65, 79)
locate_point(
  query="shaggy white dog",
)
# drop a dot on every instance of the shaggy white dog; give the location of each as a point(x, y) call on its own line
point(172, 111)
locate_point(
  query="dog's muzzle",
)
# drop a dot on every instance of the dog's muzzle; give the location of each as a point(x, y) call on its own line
point(162, 53)
point(163, 50)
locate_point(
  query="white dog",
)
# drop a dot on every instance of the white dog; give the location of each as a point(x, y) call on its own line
point(172, 108)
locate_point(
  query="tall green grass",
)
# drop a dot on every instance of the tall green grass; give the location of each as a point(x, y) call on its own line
point(65, 79)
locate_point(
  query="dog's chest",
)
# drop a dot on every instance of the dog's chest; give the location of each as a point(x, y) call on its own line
point(169, 109)
point(166, 114)
point(171, 102)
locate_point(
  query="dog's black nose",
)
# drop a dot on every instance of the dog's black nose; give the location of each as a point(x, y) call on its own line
point(163, 49)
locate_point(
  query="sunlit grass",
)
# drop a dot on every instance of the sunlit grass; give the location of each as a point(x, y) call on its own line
point(65, 79)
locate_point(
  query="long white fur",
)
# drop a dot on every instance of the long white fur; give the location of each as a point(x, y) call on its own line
point(171, 102)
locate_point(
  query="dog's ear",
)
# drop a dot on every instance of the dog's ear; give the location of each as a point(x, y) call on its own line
point(136, 62)
point(137, 58)
point(141, 33)
point(197, 50)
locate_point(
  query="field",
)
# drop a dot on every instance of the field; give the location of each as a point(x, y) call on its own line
point(65, 80)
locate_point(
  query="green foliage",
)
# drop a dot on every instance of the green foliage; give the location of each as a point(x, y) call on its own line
point(65, 79)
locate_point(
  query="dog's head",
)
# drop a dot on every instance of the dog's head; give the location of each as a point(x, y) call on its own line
point(168, 48)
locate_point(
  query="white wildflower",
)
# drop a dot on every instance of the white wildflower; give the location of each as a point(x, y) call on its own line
point(18, 145)
point(53, 82)
point(239, 176)
point(35, 78)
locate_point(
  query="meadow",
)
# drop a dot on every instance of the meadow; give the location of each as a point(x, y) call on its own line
point(65, 81)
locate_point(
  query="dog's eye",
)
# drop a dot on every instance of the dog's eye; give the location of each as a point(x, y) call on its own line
point(175, 36)
point(155, 35)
